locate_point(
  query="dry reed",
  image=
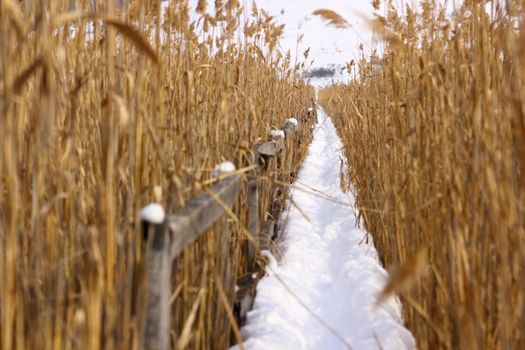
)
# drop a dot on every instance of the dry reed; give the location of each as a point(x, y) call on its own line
point(434, 131)
point(331, 18)
point(101, 113)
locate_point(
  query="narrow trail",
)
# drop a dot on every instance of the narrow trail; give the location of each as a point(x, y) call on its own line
point(322, 294)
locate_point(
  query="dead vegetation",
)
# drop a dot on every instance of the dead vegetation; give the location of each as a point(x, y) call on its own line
point(102, 113)
point(332, 18)
point(435, 138)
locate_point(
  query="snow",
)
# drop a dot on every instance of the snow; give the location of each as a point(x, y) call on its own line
point(277, 134)
point(223, 168)
point(291, 124)
point(292, 121)
point(329, 47)
point(323, 292)
point(153, 213)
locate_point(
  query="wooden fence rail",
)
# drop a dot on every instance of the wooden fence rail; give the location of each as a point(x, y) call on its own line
point(167, 240)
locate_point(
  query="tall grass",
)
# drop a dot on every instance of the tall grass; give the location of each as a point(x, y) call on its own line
point(434, 132)
point(100, 114)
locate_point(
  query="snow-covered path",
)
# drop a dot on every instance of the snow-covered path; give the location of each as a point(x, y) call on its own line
point(322, 294)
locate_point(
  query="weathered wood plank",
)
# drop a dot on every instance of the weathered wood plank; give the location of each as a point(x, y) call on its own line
point(290, 126)
point(158, 268)
point(245, 295)
point(269, 148)
point(200, 213)
point(253, 218)
point(265, 238)
point(166, 241)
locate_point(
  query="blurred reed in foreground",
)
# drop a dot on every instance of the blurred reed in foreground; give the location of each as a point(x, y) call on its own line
point(434, 132)
point(101, 113)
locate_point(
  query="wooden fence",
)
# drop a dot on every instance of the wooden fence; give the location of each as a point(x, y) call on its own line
point(167, 240)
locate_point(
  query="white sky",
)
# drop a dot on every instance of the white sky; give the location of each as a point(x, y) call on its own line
point(328, 45)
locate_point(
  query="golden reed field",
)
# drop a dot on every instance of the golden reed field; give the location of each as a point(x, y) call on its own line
point(107, 106)
point(434, 132)
point(101, 114)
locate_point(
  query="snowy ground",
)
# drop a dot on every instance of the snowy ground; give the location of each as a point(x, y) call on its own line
point(322, 294)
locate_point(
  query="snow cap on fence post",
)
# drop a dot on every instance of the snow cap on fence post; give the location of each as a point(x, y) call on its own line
point(291, 125)
point(310, 111)
point(223, 168)
point(151, 216)
point(277, 134)
point(153, 213)
point(156, 331)
point(273, 147)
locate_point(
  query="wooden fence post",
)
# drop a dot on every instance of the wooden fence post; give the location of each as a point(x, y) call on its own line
point(158, 270)
point(166, 238)
point(253, 214)
point(265, 239)
point(264, 150)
